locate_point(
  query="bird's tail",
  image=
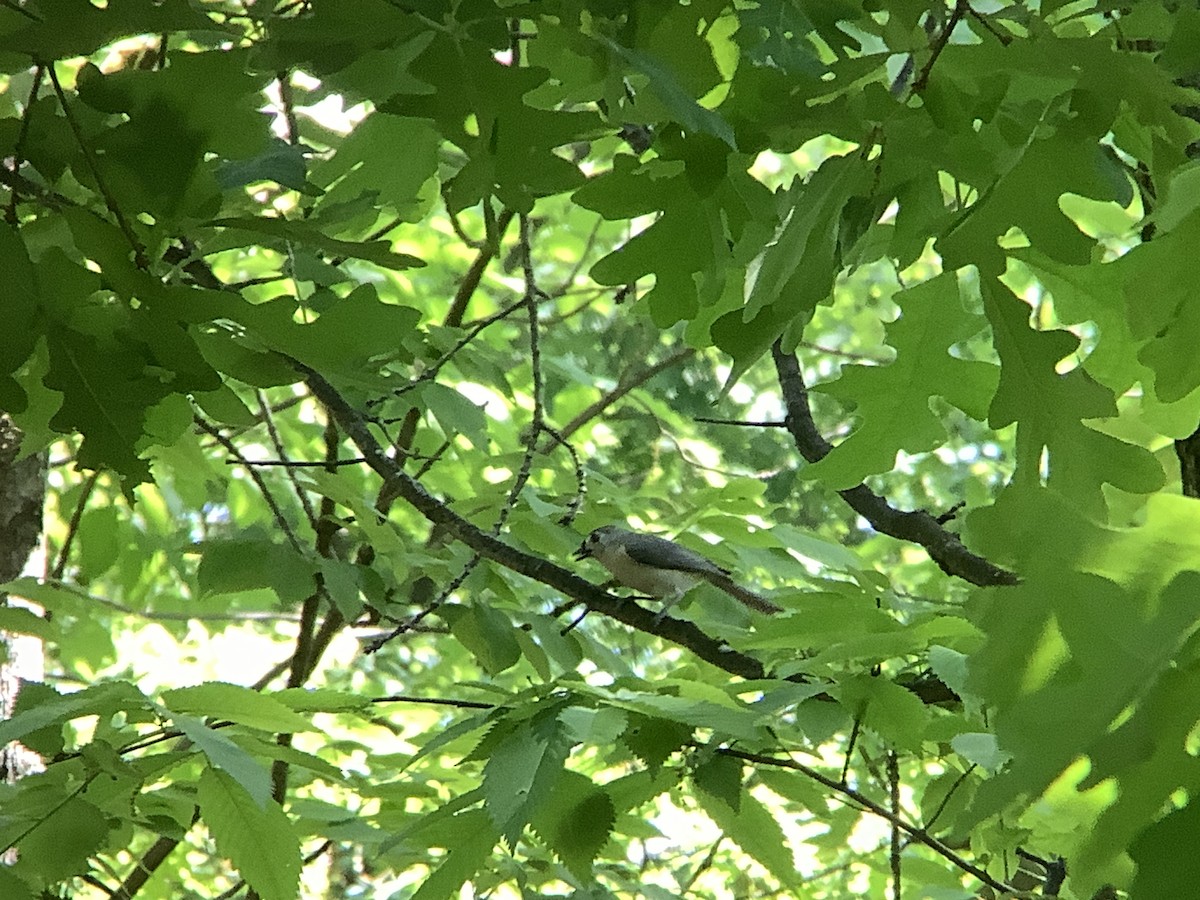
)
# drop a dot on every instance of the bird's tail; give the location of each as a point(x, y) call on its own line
point(742, 595)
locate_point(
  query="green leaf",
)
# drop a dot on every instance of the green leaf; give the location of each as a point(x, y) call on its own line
point(723, 718)
point(61, 844)
point(224, 754)
point(238, 704)
point(306, 700)
point(256, 837)
point(666, 86)
point(653, 740)
point(18, 620)
point(1087, 645)
point(887, 708)
point(99, 541)
point(281, 162)
point(1049, 408)
point(245, 564)
point(980, 749)
point(576, 821)
point(1165, 855)
point(474, 838)
point(522, 772)
point(20, 313)
point(486, 632)
point(363, 164)
point(720, 776)
point(13, 887)
point(455, 413)
point(101, 699)
point(752, 827)
point(378, 252)
point(893, 400)
point(795, 272)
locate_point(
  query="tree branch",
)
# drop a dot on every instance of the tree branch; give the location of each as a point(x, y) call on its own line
point(628, 383)
point(943, 547)
point(400, 484)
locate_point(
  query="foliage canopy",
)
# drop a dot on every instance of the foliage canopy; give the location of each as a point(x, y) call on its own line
point(342, 322)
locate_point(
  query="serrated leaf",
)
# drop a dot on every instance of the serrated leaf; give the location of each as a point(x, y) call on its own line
point(256, 837)
point(893, 712)
point(754, 829)
point(101, 699)
point(730, 720)
point(522, 771)
point(576, 822)
point(268, 749)
point(227, 756)
point(320, 700)
point(652, 739)
point(19, 620)
point(243, 564)
point(980, 749)
point(238, 704)
point(61, 844)
point(475, 836)
point(486, 632)
point(720, 776)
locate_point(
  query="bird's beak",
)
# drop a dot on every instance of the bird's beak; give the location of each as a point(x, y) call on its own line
point(583, 552)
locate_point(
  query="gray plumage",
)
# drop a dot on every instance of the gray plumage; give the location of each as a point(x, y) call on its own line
point(661, 568)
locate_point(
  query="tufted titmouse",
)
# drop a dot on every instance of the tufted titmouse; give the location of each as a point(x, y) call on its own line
point(661, 568)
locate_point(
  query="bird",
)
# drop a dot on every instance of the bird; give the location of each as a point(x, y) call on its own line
point(661, 568)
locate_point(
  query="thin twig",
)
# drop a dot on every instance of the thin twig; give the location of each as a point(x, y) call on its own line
point(918, 834)
point(432, 370)
point(845, 354)
point(958, 782)
point(961, 7)
point(629, 381)
point(741, 423)
point(256, 477)
point(705, 865)
point(1004, 39)
point(18, 153)
point(893, 777)
point(297, 463)
point(281, 451)
point(535, 363)
point(850, 744)
point(470, 282)
point(60, 564)
point(288, 101)
point(436, 701)
point(576, 501)
point(110, 199)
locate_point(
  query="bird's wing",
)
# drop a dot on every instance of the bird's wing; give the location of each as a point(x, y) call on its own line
point(663, 554)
